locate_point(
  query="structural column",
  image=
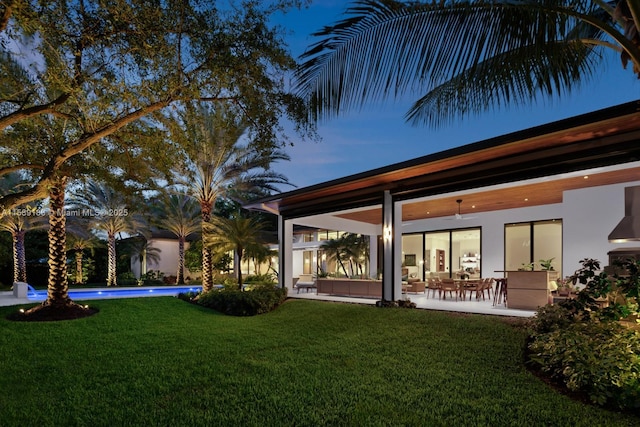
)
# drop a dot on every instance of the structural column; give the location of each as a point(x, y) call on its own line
point(285, 253)
point(387, 247)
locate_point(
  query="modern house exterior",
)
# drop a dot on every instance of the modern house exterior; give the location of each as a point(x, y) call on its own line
point(551, 193)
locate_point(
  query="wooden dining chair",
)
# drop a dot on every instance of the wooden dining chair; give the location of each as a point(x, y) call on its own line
point(433, 285)
point(471, 286)
point(448, 285)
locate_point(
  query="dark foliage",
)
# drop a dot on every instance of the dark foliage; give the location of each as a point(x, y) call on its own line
point(234, 302)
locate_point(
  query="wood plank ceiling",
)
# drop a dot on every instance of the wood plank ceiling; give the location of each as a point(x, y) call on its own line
point(517, 196)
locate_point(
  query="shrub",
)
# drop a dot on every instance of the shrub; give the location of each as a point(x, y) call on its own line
point(601, 359)
point(258, 300)
point(260, 278)
point(552, 317)
point(126, 279)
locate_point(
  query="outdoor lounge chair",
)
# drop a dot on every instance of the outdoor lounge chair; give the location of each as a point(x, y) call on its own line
point(306, 282)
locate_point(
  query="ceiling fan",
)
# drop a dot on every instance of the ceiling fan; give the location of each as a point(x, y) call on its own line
point(459, 214)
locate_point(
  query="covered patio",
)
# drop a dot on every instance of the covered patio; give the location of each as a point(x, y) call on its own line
point(573, 169)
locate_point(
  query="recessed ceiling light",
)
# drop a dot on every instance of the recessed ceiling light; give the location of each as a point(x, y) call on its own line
point(526, 200)
point(586, 177)
point(473, 206)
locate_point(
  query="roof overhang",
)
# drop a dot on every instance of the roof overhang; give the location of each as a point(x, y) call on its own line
point(598, 139)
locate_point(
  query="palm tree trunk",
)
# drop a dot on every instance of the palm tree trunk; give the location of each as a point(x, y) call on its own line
point(180, 273)
point(207, 264)
point(111, 260)
point(239, 252)
point(78, 267)
point(19, 263)
point(57, 287)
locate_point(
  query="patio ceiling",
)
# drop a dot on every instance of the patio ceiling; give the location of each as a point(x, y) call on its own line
point(517, 196)
point(599, 139)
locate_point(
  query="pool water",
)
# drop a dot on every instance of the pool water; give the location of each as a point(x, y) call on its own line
point(107, 293)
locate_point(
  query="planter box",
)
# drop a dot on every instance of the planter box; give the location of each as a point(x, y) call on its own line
point(350, 287)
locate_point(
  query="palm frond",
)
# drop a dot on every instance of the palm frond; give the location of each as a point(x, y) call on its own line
point(386, 48)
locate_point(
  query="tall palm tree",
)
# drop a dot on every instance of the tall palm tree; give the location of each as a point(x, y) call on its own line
point(464, 57)
point(111, 215)
point(24, 219)
point(18, 222)
point(237, 233)
point(179, 214)
point(215, 162)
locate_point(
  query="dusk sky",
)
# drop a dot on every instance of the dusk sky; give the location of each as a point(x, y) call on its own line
point(378, 135)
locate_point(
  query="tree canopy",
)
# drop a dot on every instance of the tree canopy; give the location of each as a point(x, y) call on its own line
point(101, 67)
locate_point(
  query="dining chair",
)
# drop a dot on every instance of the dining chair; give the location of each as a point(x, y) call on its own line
point(448, 285)
point(471, 286)
point(433, 285)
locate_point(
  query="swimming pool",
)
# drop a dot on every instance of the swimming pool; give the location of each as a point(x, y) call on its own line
point(108, 293)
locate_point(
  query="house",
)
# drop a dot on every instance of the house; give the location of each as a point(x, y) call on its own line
point(553, 192)
point(165, 246)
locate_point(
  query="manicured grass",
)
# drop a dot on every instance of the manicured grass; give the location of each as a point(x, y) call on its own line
point(162, 361)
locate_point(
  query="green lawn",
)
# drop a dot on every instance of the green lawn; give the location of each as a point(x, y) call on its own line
point(164, 362)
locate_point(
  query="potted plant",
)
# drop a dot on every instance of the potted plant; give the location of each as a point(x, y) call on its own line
point(526, 267)
point(545, 264)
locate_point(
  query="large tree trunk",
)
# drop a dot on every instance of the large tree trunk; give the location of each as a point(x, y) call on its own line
point(57, 285)
point(78, 267)
point(19, 262)
point(180, 273)
point(207, 264)
point(111, 260)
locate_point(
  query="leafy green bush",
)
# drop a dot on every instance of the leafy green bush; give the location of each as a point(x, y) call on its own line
point(126, 279)
point(601, 359)
point(260, 278)
point(258, 300)
point(550, 318)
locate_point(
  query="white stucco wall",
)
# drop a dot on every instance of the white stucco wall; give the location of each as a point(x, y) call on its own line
point(168, 259)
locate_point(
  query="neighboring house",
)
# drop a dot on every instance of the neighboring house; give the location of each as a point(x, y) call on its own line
point(167, 245)
point(555, 191)
point(167, 263)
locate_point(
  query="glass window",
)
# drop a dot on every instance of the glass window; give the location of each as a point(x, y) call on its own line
point(517, 241)
point(465, 252)
point(547, 243)
point(307, 257)
point(530, 243)
point(436, 251)
point(412, 255)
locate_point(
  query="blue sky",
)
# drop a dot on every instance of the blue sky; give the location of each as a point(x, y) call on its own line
point(378, 136)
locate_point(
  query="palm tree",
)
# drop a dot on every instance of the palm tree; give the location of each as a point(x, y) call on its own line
point(110, 215)
point(236, 234)
point(24, 218)
point(334, 249)
point(215, 163)
point(356, 249)
point(464, 56)
point(79, 239)
point(142, 250)
point(179, 215)
point(18, 222)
